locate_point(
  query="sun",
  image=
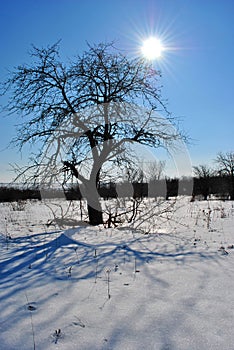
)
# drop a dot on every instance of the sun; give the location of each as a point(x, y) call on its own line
point(152, 48)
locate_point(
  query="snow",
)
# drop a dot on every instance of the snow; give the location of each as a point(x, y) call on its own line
point(169, 290)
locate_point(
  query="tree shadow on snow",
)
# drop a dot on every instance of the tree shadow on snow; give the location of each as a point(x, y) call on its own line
point(71, 255)
point(61, 254)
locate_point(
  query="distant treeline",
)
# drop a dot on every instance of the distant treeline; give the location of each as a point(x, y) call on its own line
point(220, 186)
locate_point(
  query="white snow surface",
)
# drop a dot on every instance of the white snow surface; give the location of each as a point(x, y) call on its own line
point(92, 288)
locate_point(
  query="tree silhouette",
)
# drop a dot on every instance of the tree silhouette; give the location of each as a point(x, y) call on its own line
point(225, 163)
point(84, 113)
point(204, 174)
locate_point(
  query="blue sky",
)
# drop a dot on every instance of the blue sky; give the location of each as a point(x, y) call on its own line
point(197, 68)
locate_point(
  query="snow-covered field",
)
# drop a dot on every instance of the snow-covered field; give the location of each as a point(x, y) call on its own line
point(92, 288)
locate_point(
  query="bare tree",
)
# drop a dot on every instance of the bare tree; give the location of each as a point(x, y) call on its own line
point(203, 171)
point(84, 113)
point(154, 170)
point(154, 175)
point(225, 163)
point(204, 174)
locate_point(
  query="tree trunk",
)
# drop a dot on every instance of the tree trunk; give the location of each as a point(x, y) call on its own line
point(93, 203)
point(95, 216)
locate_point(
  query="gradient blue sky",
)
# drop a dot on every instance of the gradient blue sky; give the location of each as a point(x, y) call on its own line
point(198, 67)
